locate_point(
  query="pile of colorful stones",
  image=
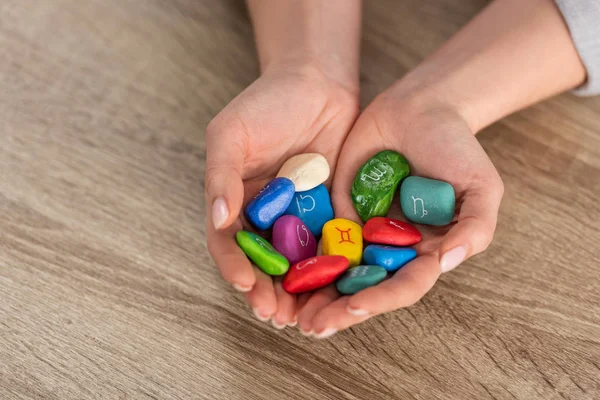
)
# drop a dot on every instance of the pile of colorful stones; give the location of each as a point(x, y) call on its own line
point(297, 208)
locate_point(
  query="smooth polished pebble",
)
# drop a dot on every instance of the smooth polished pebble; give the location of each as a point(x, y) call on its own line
point(389, 257)
point(262, 253)
point(313, 208)
point(376, 182)
point(293, 239)
point(359, 278)
point(307, 171)
point(314, 273)
point(270, 203)
point(394, 232)
point(427, 201)
point(342, 237)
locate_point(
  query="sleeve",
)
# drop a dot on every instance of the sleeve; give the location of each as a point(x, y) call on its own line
point(583, 19)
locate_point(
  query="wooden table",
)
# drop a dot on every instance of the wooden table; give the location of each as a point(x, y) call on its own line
point(107, 290)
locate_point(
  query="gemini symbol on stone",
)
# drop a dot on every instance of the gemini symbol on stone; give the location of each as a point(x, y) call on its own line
point(345, 238)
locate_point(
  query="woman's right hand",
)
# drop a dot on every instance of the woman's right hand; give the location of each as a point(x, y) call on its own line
point(285, 112)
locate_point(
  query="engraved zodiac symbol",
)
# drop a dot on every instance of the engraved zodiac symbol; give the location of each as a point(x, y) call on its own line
point(302, 197)
point(359, 271)
point(262, 190)
point(422, 206)
point(263, 243)
point(347, 238)
point(396, 225)
point(374, 175)
point(303, 243)
point(304, 264)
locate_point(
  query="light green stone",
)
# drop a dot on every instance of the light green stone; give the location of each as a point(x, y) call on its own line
point(375, 183)
point(427, 201)
point(262, 253)
point(361, 277)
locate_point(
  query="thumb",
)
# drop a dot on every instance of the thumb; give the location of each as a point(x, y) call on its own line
point(224, 188)
point(354, 153)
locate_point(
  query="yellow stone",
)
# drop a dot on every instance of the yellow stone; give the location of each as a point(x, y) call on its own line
point(342, 237)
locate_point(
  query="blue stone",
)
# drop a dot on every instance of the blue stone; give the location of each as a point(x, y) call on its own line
point(389, 257)
point(270, 203)
point(313, 207)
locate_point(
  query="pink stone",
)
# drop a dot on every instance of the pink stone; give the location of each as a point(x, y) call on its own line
point(293, 239)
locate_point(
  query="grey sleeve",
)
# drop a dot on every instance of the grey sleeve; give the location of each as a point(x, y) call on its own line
point(583, 20)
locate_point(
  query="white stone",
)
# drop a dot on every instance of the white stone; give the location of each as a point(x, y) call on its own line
point(307, 171)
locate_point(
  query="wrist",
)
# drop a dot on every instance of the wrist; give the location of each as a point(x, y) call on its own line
point(313, 67)
point(309, 34)
point(417, 97)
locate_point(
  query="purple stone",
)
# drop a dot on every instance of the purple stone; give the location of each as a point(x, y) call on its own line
point(293, 239)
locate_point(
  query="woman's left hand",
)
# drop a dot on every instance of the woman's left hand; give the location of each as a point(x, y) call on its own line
point(439, 144)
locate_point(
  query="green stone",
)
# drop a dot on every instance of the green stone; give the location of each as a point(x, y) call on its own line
point(427, 201)
point(262, 253)
point(359, 278)
point(375, 184)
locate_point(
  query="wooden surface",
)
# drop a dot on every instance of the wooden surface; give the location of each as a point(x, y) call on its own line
point(107, 290)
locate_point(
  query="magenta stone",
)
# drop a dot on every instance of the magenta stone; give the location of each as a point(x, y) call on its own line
point(293, 239)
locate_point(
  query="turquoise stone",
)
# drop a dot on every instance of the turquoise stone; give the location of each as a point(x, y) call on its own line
point(359, 278)
point(376, 182)
point(427, 201)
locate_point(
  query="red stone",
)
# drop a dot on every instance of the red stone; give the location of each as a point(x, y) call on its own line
point(390, 231)
point(314, 273)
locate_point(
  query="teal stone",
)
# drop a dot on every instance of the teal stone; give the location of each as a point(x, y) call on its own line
point(427, 201)
point(376, 182)
point(359, 278)
point(262, 253)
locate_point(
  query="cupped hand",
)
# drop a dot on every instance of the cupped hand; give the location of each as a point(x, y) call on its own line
point(439, 144)
point(283, 113)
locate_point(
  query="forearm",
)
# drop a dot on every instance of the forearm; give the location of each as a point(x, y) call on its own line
point(325, 34)
point(513, 54)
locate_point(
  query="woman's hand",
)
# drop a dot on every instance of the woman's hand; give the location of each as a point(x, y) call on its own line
point(498, 63)
point(285, 112)
point(438, 144)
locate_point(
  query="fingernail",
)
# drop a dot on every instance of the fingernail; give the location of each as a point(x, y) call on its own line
point(357, 312)
point(452, 258)
point(276, 325)
point(306, 333)
point(220, 212)
point(260, 316)
point(293, 323)
point(326, 333)
point(240, 288)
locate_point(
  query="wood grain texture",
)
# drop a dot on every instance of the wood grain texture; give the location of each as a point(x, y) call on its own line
point(107, 290)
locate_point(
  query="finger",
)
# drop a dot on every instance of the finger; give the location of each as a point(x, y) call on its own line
point(404, 288)
point(476, 224)
point(225, 154)
point(233, 264)
point(316, 302)
point(302, 300)
point(355, 152)
point(262, 297)
point(286, 307)
point(335, 318)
